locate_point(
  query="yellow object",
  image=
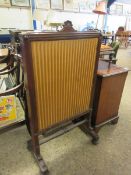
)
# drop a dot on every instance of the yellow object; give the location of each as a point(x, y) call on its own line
point(63, 72)
point(7, 108)
point(105, 46)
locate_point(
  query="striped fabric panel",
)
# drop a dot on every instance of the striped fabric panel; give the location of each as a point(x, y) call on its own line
point(63, 72)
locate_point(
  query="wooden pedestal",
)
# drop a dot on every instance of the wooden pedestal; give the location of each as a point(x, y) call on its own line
point(109, 87)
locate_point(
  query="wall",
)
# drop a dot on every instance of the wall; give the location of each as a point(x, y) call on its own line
point(21, 18)
point(119, 19)
point(114, 21)
point(79, 20)
point(18, 18)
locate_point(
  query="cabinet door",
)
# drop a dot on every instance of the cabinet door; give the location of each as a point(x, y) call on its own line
point(108, 99)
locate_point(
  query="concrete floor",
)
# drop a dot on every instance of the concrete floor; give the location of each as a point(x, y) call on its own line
point(73, 153)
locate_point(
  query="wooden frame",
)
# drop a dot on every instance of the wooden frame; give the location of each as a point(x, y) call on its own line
point(65, 126)
point(5, 3)
point(23, 3)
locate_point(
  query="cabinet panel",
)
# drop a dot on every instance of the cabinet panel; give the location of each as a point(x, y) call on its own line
point(108, 92)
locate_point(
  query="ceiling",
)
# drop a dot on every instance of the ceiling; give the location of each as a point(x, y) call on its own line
point(124, 1)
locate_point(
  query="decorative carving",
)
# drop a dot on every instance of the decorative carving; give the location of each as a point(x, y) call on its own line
point(68, 27)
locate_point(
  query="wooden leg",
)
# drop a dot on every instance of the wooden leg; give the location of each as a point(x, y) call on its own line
point(35, 147)
point(92, 132)
point(89, 130)
point(97, 129)
point(95, 136)
point(41, 163)
point(26, 114)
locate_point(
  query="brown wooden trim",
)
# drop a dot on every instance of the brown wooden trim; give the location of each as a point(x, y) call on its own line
point(106, 70)
point(109, 75)
point(53, 127)
point(26, 54)
point(104, 123)
point(63, 130)
point(52, 36)
point(97, 95)
point(95, 71)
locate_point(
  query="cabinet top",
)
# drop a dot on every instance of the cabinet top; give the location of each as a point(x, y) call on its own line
point(106, 69)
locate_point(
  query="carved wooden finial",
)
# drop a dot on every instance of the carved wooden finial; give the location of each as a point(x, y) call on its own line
point(68, 27)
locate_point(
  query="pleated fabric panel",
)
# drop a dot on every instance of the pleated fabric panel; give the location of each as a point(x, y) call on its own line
point(63, 73)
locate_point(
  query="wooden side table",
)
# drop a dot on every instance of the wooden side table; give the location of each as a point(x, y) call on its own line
point(109, 87)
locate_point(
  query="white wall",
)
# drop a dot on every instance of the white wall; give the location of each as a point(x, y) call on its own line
point(128, 23)
point(21, 18)
point(114, 21)
point(78, 19)
point(15, 18)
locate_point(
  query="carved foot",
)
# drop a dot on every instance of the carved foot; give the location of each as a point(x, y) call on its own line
point(44, 173)
point(42, 165)
point(91, 132)
point(96, 129)
point(95, 140)
point(39, 159)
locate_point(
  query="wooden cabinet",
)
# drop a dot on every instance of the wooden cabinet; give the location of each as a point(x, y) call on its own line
point(109, 87)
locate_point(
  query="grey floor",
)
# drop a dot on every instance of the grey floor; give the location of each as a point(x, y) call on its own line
point(73, 153)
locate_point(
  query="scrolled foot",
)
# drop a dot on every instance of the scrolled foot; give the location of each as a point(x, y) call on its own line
point(43, 167)
point(41, 164)
point(44, 172)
